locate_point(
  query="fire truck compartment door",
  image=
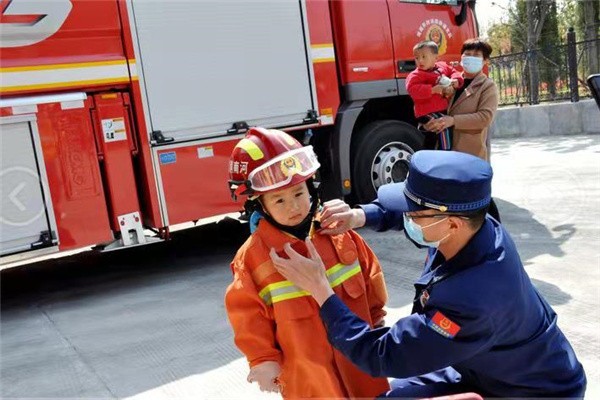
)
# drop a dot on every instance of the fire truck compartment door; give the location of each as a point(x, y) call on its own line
point(208, 64)
point(26, 218)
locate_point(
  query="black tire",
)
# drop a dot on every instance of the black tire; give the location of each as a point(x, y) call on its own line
point(380, 154)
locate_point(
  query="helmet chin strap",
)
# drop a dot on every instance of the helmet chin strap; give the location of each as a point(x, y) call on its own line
point(302, 229)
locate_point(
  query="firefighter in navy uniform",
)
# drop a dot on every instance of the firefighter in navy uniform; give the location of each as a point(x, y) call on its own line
point(478, 324)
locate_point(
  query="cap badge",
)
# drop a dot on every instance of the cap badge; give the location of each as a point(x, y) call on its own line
point(290, 166)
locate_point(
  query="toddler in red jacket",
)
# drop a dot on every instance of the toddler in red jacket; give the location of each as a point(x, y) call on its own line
point(426, 85)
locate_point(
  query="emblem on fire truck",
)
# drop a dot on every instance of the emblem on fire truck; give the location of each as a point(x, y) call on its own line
point(437, 31)
point(27, 22)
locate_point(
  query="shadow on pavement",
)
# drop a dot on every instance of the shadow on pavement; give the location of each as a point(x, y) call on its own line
point(532, 237)
point(121, 323)
point(137, 264)
point(552, 293)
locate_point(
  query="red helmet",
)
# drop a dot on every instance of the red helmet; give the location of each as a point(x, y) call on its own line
point(269, 159)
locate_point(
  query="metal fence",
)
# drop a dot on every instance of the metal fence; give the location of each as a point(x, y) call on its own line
point(562, 71)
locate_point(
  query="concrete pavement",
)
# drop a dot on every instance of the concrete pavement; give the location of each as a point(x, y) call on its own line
point(149, 323)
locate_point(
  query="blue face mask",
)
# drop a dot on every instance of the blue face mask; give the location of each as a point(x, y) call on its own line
point(472, 65)
point(415, 232)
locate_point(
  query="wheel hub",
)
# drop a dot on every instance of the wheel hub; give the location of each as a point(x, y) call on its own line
point(390, 164)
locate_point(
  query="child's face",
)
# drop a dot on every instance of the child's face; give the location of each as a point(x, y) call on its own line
point(288, 206)
point(425, 58)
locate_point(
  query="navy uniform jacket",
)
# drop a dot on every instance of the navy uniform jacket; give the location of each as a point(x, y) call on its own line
point(480, 315)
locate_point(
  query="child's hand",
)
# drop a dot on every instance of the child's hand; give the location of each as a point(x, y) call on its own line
point(455, 84)
point(448, 92)
point(379, 324)
point(437, 89)
point(266, 374)
point(444, 81)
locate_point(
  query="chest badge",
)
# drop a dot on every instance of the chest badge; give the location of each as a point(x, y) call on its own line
point(424, 298)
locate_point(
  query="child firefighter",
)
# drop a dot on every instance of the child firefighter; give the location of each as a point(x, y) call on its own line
point(276, 325)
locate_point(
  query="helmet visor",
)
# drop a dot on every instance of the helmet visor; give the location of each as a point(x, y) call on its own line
point(281, 170)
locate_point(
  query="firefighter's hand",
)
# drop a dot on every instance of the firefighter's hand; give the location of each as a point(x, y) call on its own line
point(266, 374)
point(337, 217)
point(306, 273)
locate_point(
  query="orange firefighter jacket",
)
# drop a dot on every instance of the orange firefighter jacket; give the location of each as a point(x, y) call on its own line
point(274, 320)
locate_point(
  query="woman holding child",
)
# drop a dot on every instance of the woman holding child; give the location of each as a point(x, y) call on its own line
point(473, 106)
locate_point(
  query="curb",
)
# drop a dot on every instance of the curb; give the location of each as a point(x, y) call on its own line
point(554, 119)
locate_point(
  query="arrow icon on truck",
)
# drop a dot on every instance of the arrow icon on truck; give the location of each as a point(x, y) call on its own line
point(13, 197)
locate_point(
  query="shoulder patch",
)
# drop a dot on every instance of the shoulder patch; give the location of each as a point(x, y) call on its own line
point(442, 325)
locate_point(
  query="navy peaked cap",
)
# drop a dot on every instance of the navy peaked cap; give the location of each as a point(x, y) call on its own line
point(448, 181)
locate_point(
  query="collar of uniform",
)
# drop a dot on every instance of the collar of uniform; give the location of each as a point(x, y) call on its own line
point(432, 262)
point(475, 250)
point(272, 237)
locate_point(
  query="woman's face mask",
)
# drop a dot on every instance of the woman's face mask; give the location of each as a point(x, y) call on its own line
point(415, 232)
point(472, 65)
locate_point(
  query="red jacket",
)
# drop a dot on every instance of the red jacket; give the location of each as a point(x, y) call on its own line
point(420, 82)
point(273, 320)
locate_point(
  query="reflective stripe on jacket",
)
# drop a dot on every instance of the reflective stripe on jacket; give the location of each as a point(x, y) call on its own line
point(274, 320)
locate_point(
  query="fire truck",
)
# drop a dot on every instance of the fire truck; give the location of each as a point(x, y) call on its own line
point(119, 116)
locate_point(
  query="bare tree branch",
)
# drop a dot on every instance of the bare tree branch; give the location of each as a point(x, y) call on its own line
point(543, 9)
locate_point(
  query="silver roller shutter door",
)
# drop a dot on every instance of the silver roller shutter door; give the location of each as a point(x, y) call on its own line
point(208, 64)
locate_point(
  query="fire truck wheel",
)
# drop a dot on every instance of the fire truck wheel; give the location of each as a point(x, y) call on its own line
point(380, 155)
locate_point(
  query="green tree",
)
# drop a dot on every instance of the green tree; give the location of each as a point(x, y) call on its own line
point(591, 33)
point(584, 17)
point(518, 21)
point(569, 16)
point(549, 56)
point(499, 37)
point(528, 19)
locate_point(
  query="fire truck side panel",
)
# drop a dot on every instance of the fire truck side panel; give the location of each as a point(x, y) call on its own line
point(84, 50)
point(323, 59)
point(242, 61)
point(71, 161)
point(146, 175)
point(194, 179)
point(427, 22)
point(116, 139)
point(363, 40)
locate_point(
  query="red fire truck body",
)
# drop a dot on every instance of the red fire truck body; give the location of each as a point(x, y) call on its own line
point(118, 115)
